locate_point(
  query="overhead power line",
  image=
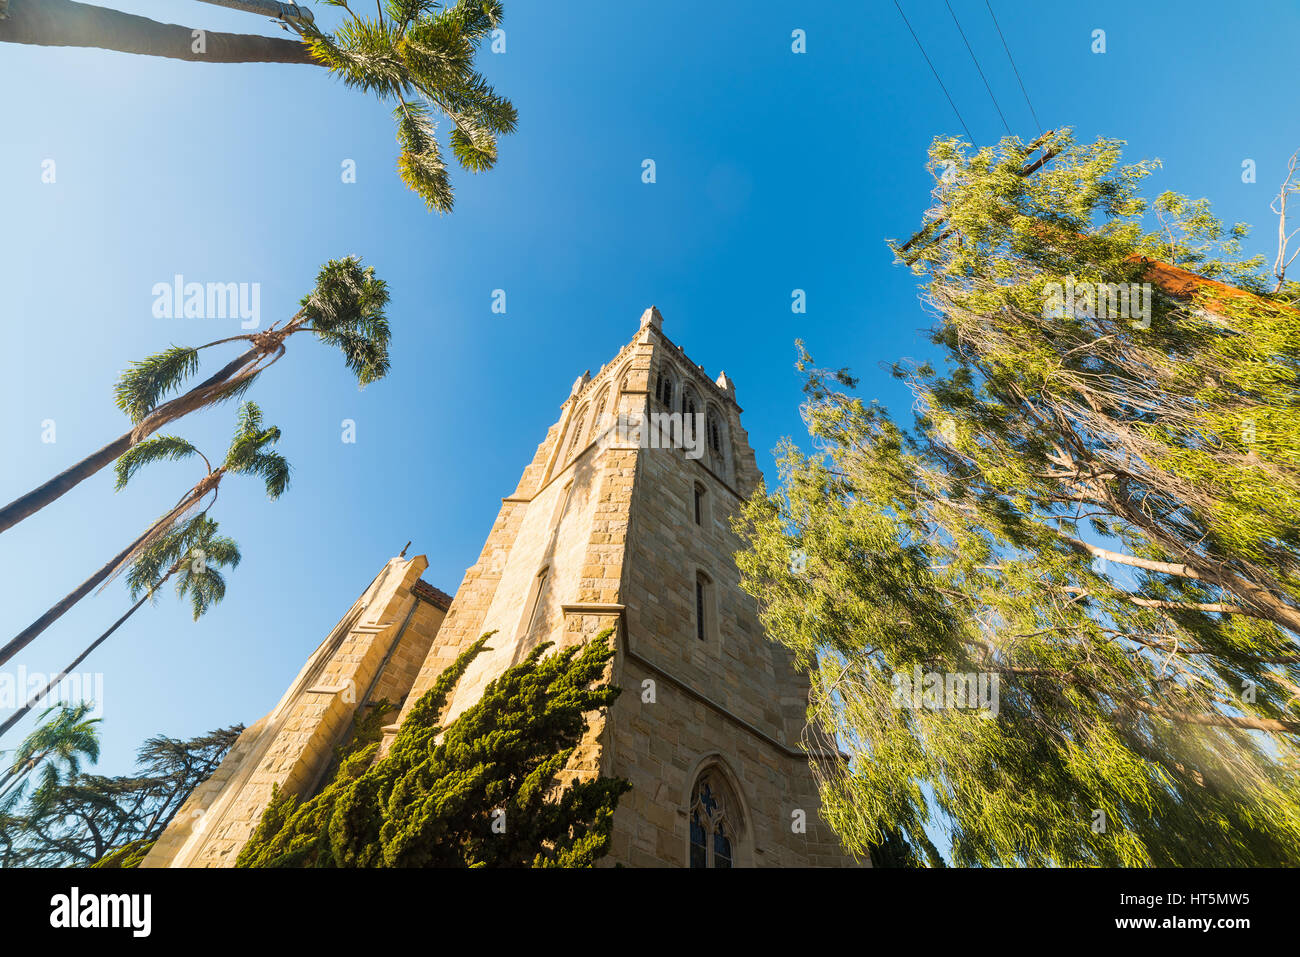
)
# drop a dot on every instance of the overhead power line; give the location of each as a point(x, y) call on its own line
point(1037, 124)
point(920, 47)
point(978, 69)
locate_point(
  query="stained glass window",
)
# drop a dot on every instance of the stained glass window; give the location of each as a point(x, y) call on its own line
point(699, 842)
point(711, 829)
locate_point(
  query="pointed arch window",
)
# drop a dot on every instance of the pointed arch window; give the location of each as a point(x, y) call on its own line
point(717, 441)
point(596, 423)
point(664, 389)
point(578, 423)
point(535, 599)
point(623, 379)
point(714, 826)
point(691, 420)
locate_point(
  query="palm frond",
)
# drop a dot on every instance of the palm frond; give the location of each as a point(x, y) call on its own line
point(471, 96)
point(366, 355)
point(221, 551)
point(154, 561)
point(420, 161)
point(402, 12)
point(198, 572)
point(425, 48)
point(273, 469)
point(245, 448)
point(474, 146)
point(346, 309)
point(344, 293)
point(478, 18)
point(364, 54)
point(235, 390)
point(179, 551)
point(204, 588)
point(144, 384)
point(247, 456)
point(157, 449)
point(249, 420)
point(435, 50)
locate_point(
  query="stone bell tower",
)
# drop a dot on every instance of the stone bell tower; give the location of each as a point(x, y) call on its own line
point(620, 520)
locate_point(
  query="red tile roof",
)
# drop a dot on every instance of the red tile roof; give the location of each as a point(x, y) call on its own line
point(434, 596)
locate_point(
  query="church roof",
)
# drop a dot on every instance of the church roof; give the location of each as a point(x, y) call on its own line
point(434, 596)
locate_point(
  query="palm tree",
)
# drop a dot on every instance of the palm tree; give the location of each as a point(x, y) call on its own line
point(63, 739)
point(195, 552)
point(415, 53)
point(247, 456)
point(66, 24)
point(345, 309)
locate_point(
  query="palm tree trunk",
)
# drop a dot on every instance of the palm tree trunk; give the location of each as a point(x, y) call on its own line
point(70, 478)
point(62, 23)
point(28, 634)
point(65, 481)
point(187, 501)
point(31, 703)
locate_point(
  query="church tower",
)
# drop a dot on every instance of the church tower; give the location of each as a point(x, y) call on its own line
point(621, 520)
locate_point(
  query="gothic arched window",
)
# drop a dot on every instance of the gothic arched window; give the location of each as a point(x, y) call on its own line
point(622, 378)
point(537, 592)
point(717, 440)
point(578, 424)
point(714, 822)
point(664, 388)
point(692, 429)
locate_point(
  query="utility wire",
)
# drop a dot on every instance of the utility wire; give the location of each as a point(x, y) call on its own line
point(978, 69)
point(1013, 68)
point(969, 136)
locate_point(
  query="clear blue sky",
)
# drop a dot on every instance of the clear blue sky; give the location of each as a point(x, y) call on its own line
point(775, 171)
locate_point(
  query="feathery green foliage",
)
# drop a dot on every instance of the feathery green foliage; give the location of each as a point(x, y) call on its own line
point(147, 382)
point(246, 455)
point(195, 554)
point(434, 799)
point(421, 54)
point(56, 746)
point(81, 819)
point(161, 448)
point(346, 309)
point(127, 856)
point(1080, 514)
